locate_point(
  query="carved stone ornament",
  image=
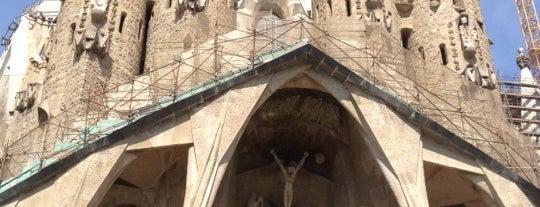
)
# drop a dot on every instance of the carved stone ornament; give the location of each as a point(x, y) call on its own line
point(459, 5)
point(78, 40)
point(21, 101)
point(468, 37)
point(480, 76)
point(238, 4)
point(523, 61)
point(373, 4)
point(32, 93)
point(388, 20)
point(104, 43)
point(99, 10)
point(90, 36)
point(193, 5)
point(434, 4)
point(404, 6)
point(257, 201)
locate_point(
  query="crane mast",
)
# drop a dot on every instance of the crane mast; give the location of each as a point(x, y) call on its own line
point(531, 32)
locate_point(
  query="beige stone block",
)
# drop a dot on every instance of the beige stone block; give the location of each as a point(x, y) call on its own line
point(441, 155)
point(176, 135)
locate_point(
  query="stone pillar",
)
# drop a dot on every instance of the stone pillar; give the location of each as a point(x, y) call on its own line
point(191, 178)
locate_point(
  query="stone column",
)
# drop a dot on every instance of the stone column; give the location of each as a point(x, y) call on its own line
point(191, 178)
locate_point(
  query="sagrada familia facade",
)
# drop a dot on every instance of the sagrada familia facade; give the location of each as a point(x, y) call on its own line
point(284, 103)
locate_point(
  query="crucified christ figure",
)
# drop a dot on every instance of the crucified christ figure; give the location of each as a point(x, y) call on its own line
point(289, 173)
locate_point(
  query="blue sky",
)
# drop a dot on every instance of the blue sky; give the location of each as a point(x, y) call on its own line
point(501, 22)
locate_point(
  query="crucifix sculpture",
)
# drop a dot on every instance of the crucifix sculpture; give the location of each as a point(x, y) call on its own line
point(289, 174)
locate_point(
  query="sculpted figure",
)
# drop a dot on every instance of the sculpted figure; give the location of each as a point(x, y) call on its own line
point(468, 37)
point(193, 5)
point(388, 20)
point(480, 76)
point(103, 43)
point(373, 4)
point(485, 81)
point(459, 5)
point(522, 60)
point(257, 201)
point(289, 174)
point(377, 16)
point(471, 73)
point(99, 10)
point(78, 40)
point(238, 4)
point(21, 101)
point(404, 6)
point(434, 3)
point(32, 93)
point(89, 36)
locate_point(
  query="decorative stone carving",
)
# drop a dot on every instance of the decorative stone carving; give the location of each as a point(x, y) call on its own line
point(377, 14)
point(26, 99)
point(195, 5)
point(481, 76)
point(484, 74)
point(459, 5)
point(257, 201)
point(238, 4)
point(378, 17)
point(32, 93)
point(304, 8)
point(99, 10)
point(103, 43)
point(471, 73)
point(523, 61)
point(434, 4)
point(89, 36)
point(388, 20)
point(468, 37)
point(289, 174)
point(78, 40)
point(404, 6)
point(374, 4)
point(21, 101)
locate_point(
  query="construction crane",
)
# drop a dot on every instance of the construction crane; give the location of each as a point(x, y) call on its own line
point(531, 32)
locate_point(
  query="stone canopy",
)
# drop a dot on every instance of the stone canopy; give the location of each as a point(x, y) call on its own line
point(213, 148)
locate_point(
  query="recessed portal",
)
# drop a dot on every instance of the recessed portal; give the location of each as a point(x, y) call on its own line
point(449, 187)
point(157, 177)
point(339, 171)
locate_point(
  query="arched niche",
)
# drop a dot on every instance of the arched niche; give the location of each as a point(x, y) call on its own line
point(451, 187)
point(43, 116)
point(340, 171)
point(156, 177)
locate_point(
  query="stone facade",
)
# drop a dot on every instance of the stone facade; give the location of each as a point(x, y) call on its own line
point(113, 63)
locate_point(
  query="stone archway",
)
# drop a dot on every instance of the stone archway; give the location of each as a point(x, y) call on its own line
point(340, 171)
point(156, 177)
point(450, 187)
